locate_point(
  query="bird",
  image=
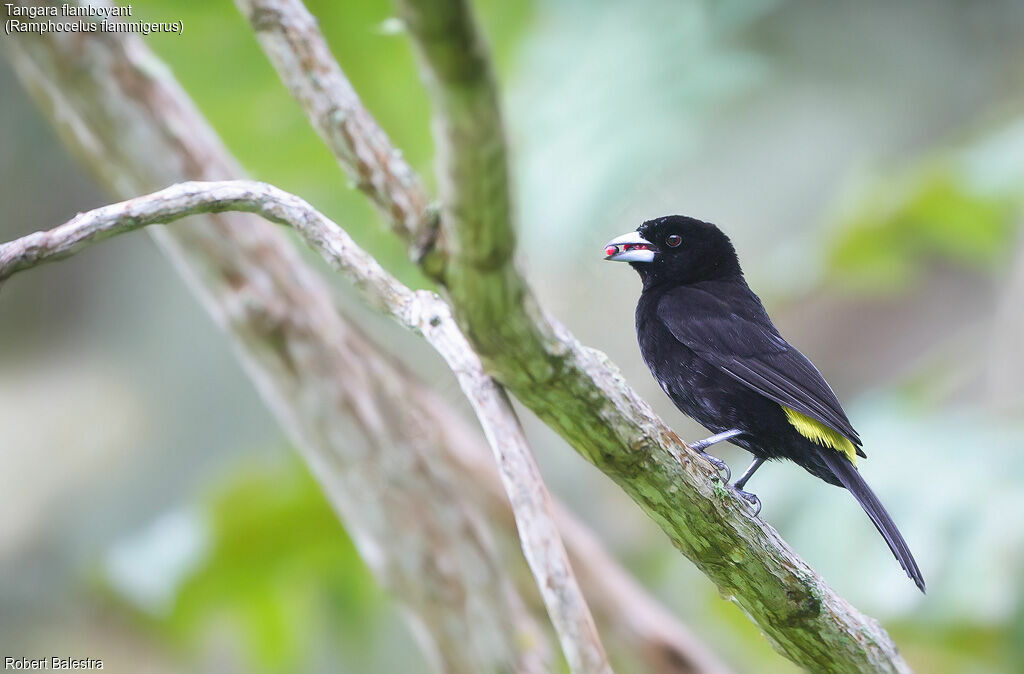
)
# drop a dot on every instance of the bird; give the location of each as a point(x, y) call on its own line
point(710, 344)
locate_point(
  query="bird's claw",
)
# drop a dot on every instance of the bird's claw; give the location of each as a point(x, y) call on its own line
point(720, 466)
point(752, 499)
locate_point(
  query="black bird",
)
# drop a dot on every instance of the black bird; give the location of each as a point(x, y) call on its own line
point(708, 341)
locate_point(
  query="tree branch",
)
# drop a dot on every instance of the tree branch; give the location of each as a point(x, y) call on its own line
point(472, 168)
point(577, 390)
point(357, 141)
point(366, 152)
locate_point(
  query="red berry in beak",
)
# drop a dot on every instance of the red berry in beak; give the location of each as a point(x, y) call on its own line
point(611, 250)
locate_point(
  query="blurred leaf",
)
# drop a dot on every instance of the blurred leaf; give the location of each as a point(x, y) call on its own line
point(978, 650)
point(280, 573)
point(933, 215)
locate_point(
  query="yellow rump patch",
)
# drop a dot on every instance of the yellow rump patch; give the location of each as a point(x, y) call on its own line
point(815, 431)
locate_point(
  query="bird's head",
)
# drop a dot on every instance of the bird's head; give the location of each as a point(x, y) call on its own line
point(675, 249)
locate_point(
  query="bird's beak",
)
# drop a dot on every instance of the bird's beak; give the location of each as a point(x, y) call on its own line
point(629, 247)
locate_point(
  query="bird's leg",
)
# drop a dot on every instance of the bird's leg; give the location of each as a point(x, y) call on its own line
point(740, 483)
point(701, 445)
point(751, 469)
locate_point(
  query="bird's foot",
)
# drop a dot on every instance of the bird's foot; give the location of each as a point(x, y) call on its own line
point(720, 466)
point(752, 499)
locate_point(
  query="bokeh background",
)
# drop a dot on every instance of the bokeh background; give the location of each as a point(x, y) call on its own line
point(866, 158)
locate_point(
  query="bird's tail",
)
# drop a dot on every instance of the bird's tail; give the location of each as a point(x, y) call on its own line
point(848, 474)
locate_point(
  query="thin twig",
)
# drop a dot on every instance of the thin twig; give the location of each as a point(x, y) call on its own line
point(423, 312)
point(358, 142)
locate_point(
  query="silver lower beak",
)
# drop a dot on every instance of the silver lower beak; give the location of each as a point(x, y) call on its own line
point(629, 247)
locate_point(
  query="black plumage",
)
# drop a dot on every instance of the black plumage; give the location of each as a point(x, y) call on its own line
point(708, 341)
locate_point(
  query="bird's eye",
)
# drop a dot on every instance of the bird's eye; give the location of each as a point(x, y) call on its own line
point(673, 240)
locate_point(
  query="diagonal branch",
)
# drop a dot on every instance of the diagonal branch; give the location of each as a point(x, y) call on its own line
point(574, 389)
point(365, 151)
point(359, 144)
point(472, 170)
point(423, 312)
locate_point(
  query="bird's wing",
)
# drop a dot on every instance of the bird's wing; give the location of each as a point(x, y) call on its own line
point(739, 338)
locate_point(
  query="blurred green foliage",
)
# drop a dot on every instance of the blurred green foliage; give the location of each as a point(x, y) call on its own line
point(968, 648)
point(900, 227)
point(280, 573)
